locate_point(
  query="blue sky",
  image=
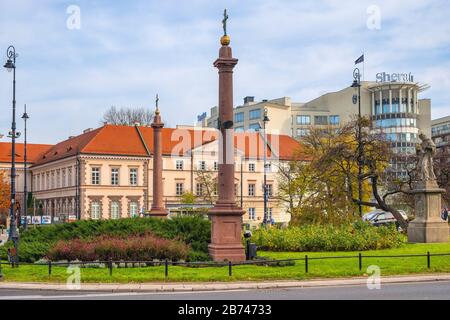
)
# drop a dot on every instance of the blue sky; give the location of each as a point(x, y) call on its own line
point(127, 51)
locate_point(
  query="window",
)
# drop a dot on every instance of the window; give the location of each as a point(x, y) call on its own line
point(69, 178)
point(179, 165)
point(270, 215)
point(255, 114)
point(251, 190)
point(303, 132)
point(239, 117)
point(304, 120)
point(239, 129)
point(321, 120)
point(252, 213)
point(57, 179)
point(335, 120)
point(269, 190)
point(95, 210)
point(115, 210)
point(133, 176)
point(134, 209)
point(179, 189)
point(202, 165)
point(63, 178)
point(251, 167)
point(95, 175)
point(254, 127)
point(268, 167)
point(115, 176)
point(199, 189)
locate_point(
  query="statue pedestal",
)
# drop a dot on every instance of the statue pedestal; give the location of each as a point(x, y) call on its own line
point(428, 227)
point(226, 229)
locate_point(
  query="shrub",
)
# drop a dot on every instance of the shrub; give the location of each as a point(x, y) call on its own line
point(353, 237)
point(35, 243)
point(135, 248)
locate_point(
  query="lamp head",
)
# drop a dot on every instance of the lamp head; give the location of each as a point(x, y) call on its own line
point(9, 65)
point(25, 116)
point(266, 118)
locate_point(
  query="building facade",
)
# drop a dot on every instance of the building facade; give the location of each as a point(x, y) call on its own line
point(394, 107)
point(106, 173)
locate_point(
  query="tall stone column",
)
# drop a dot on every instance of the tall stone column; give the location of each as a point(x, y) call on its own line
point(158, 208)
point(226, 216)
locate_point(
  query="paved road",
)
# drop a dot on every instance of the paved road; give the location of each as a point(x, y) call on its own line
point(414, 291)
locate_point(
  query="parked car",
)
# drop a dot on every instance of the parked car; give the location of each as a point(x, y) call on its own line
point(382, 218)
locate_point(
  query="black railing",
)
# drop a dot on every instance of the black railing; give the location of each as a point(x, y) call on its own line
point(109, 264)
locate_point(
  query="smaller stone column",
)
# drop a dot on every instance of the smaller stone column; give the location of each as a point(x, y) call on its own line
point(158, 208)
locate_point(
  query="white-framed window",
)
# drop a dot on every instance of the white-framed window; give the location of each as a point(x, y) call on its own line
point(115, 176)
point(239, 117)
point(95, 210)
point(133, 176)
point(134, 209)
point(254, 127)
point(58, 181)
point(301, 132)
point(179, 188)
point(179, 165)
point(255, 114)
point(251, 167)
point(239, 129)
point(95, 176)
point(304, 120)
point(115, 210)
point(269, 190)
point(64, 178)
point(252, 213)
point(251, 189)
point(268, 167)
point(69, 178)
point(202, 165)
point(199, 189)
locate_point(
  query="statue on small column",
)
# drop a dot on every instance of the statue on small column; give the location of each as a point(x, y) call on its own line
point(426, 150)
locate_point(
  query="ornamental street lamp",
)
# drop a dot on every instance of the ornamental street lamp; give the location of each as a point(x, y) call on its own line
point(25, 117)
point(265, 121)
point(357, 99)
point(10, 65)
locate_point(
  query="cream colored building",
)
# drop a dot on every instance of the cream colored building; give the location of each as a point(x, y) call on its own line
point(106, 173)
point(394, 107)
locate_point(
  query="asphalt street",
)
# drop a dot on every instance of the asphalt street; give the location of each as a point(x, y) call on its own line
point(408, 291)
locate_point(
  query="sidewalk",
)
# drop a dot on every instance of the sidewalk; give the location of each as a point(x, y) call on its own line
point(220, 286)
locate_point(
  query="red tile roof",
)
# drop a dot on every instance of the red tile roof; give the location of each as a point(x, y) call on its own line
point(127, 141)
point(33, 151)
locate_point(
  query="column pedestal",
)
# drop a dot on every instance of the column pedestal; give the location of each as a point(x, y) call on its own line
point(428, 226)
point(226, 229)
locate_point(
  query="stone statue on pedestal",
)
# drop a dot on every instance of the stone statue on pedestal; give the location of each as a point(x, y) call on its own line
point(426, 151)
point(427, 227)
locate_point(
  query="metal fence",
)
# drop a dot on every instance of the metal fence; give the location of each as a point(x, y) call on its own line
point(109, 264)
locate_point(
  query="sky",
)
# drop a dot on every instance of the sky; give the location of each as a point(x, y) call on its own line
point(78, 58)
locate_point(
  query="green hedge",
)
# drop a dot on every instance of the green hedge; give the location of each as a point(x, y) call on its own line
point(35, 243)
point(355, 237)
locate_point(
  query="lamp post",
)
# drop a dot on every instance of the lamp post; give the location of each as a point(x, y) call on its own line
point(357, 99)
point(265, 120)
point(10, 65)
point(25, 117)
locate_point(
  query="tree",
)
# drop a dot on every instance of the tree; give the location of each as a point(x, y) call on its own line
point(206, 186)
point(442, 169)
point(128, 116)
point(375, 160)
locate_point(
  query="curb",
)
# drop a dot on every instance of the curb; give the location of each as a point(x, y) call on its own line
point(220, 286)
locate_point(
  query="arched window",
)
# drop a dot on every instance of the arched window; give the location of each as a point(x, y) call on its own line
point(95, 210)
point(134, 209)
point(115, 210)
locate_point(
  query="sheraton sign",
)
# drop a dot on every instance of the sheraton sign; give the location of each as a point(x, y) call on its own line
point(394, 77)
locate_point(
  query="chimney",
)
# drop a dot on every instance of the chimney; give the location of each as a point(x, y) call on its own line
point(249, 99)
point(87, 130)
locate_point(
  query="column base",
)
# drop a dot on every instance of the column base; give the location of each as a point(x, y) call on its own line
point(226, 233)
point(158, 213)
point(428, 232)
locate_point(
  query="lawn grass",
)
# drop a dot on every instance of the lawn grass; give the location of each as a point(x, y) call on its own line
point(334, 268)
